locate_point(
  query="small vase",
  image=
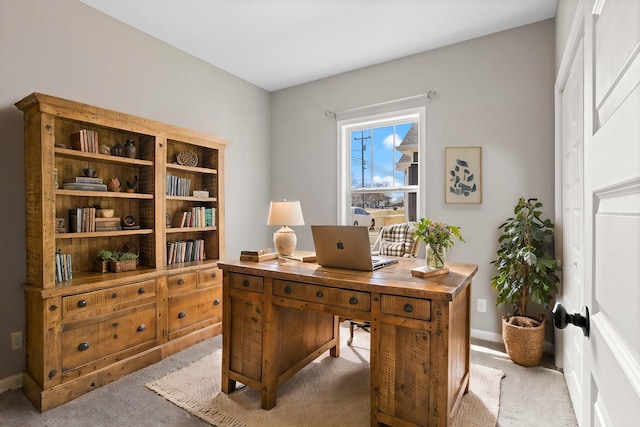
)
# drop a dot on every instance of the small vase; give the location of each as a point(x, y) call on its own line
point(435, 256)
point(130, 149)
point(116, 150)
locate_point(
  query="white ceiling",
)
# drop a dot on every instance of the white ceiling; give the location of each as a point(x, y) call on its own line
point(276, 44)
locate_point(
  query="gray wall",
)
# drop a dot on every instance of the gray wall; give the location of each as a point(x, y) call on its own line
point(495, 92)
point(67, 49)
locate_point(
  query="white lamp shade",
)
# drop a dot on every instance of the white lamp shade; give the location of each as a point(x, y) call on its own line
point(285, 213)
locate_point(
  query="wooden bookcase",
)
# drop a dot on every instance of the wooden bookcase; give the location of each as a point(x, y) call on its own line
point(92, 328)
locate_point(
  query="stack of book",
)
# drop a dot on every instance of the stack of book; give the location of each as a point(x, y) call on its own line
point(178, 186)
point(185, 251)
point(108, 224)
point(199, 216)
point(85, 140)
point(64, 270)
point(84, 183)
point(82, 220)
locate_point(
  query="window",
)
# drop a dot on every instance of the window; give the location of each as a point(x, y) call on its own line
point(380, 168)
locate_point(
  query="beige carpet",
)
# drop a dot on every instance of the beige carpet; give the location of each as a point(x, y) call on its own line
point(328, 392)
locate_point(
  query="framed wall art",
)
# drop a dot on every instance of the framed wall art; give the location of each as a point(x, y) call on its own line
point(463, 180)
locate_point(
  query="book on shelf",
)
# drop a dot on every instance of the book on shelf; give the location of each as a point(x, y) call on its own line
point(185, 251)
point(83, 180)
point(63, 267)
point(82, 220)
point(84, 186)
point(84, 140)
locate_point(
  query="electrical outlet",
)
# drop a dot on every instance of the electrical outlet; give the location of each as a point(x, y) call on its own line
point(482, 305)
point(16, 340)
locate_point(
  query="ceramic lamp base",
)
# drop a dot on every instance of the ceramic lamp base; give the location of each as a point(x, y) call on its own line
point(285, 240)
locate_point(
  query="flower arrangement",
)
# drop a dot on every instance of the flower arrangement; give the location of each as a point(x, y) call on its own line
point(438, 236)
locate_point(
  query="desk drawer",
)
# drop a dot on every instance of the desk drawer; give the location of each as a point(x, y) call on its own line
point(246, 282)
point(414, 308)
point(354, 300)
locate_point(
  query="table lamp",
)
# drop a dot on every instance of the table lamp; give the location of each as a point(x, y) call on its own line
point(285, 213)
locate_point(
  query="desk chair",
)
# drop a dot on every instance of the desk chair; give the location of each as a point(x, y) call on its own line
point(393, 240)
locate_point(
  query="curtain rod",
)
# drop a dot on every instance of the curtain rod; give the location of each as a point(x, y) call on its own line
point(430, 94)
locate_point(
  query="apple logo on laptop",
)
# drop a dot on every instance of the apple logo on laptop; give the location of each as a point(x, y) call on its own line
point(340, 245)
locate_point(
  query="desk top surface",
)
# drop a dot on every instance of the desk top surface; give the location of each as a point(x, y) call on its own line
point(395, 279)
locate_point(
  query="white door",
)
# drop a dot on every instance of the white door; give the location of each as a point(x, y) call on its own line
point(570, 354)
point(607, 365)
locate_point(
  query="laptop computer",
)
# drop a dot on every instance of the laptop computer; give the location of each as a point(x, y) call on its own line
point(346, 246)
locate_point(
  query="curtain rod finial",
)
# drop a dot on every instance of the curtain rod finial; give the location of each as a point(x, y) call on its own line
point(330, 114)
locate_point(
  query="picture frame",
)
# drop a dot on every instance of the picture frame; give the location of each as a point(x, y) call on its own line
point(463, 175)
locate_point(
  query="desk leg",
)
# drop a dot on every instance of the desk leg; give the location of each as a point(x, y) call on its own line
point(228, 386)
point(335, 351)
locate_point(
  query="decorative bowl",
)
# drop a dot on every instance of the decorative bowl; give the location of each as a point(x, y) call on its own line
point(104, 213)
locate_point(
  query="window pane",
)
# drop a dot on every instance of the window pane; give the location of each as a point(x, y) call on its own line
point(381, 156)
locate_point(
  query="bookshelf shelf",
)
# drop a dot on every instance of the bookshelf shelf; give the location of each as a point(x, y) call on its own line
point(174, 230)
point(87, 235)
point(70, 297)
point(105, 194)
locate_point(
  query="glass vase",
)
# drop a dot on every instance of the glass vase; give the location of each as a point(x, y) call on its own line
point(435, 256)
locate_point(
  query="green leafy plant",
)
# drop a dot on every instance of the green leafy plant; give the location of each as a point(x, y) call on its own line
point(437, 235)
point(124, 256)
point(104, 255)
point(526, 269)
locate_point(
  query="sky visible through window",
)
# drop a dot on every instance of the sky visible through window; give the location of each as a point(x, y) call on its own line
point(374, 156)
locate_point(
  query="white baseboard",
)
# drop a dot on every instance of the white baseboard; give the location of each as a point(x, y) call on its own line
point(10, 383)
point(493, 337)
point(487, 336)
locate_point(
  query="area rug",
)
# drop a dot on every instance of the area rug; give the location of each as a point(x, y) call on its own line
point(328, 392)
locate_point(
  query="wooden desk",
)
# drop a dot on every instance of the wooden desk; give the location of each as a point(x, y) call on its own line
point(280, 315)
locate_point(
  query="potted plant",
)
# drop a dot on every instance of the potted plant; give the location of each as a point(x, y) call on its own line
point(438, 237)
point(101, 264)
point(123, 261)
point(526, 273)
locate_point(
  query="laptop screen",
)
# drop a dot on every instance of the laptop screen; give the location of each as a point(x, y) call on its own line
point(345, 246)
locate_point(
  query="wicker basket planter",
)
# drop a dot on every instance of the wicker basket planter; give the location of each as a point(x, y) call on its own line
point(524, 339)
point(119, 266)
point(101, 266)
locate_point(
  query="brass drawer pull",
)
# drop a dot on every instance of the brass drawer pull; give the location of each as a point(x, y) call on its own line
point(408, 308)
point(181, 315)
point(216, 302)
point(83, 346)
point(353, 300)
point(287, 289)
point(180, 281)
point(142, 328)
point(319, 294)
point(141, 291)
point(82, 303)
point(245, 283)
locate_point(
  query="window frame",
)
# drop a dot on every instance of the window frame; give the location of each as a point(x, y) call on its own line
point(378, 117)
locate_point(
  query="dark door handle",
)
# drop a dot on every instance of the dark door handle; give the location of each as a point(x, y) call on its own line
point(561, 318)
